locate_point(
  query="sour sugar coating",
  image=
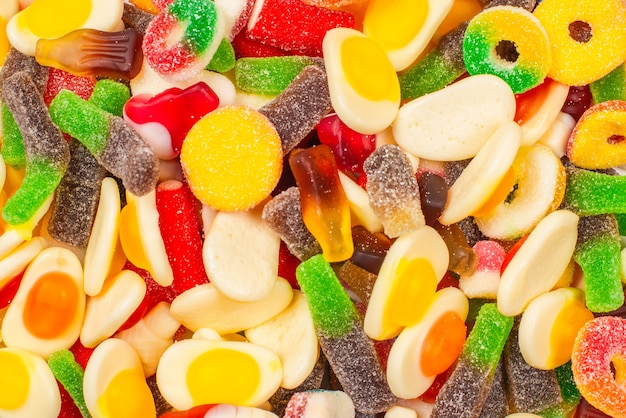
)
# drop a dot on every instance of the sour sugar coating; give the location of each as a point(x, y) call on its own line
point(202, 26)
point(92, 52)
point(270, 75)
point(588, 40)
point(134, 17)
point(294, 26)
point(69, 374)
point(467, 388)
point(116, 146)
point(284, 215)
point(530, 389)
point(180, 229)
point(610, 87)
point(316, 403)
point(594, 193)
point(47, 152)
point(569, 393)
point(299, 107)
point(439, 67)
point(78, 194)
point(349, 351)
point(393, 190)
point(497, 402)
point(598, 254)
point(508, 42)
point(601, 345)
point(325, 209)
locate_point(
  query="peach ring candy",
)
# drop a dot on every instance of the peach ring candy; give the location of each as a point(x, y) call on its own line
point(232, 158)
point(588, 39)
point(200, 371)
point(549, 326)
point(428, 348)
point(48, 309)
point(181, 40)
point(538, 189)
point(28, 387)
point(49, 19)
point(600, 347)
point(114, 384)
point(406, 283)
point(597, 141)
point(508, 42)
point(404, 28)
point(366, 101)
point(539, 263)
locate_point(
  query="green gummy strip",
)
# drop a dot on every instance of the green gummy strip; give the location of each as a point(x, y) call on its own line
point(70, 374)
point(224, 58)
point(332, 309)
point(12, 142)
point(486, 340)
point(110, 95)
point(200, 18)
point(621, 222)
point(268, 75)
point(433, 72)
point(40, 182)
point(610, 87)
point(82, 120)
point(569, 393)
point(593, 193)
point(600, 260)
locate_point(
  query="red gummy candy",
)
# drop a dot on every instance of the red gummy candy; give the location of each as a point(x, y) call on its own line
point(287, 264)
point(176, 109)
point(246, 47)
point(62, 80)
point(296, 27)
point(81, 353)
point(68, 407)
point(8, 291)
point(350, 148)
point(180, 228)
point(195, 412)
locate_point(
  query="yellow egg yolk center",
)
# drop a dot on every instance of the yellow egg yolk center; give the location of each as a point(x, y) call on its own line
point(127, 396)
point(55, 18)
point(394, 23)
point(14, 381)
point(223, 376)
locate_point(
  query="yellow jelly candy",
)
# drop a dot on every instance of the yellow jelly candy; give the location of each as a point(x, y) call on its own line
point(232, 158)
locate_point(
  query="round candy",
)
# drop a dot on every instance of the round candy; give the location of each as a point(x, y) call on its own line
point(28, 386)
point(202, 26)
point(588, 39)
point(232, 158)
point(508, 42)
point(597, 141)
point(599, 347)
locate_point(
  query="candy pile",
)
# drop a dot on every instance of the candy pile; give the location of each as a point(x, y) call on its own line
point(312, 208)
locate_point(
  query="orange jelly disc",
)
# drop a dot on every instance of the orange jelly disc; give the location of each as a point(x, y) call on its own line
point(443, 343)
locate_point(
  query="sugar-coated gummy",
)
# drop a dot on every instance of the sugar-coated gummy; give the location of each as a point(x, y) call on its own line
point(224, 58)
point(134, 17)
point(610, 87)
point(349, 351)
point(593, 193)
point(467, 388)
point(299, 107)
point(598, 252)
point(530, 390)
point(283, 214)
point(497, 402)
point(393, 190)
point(70, 374)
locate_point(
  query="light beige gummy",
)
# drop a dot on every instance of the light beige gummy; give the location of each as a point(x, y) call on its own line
point(205, 307)
point(240, 254)
point(539, 263)
point(452, 124)
point(17, 260)
point(557, 135)
point(535, 127)
point(151, 336)
point(359, 203)
point(291, 335)
point(106, 312)
point(397, 411)
point(483, 174)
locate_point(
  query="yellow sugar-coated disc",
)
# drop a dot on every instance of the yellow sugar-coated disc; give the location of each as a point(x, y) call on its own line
point(232, 158)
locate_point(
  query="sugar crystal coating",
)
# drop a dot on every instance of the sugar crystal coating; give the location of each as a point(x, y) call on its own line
point(393, 190)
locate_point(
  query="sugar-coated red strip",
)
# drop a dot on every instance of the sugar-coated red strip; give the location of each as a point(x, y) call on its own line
point(180, 228)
